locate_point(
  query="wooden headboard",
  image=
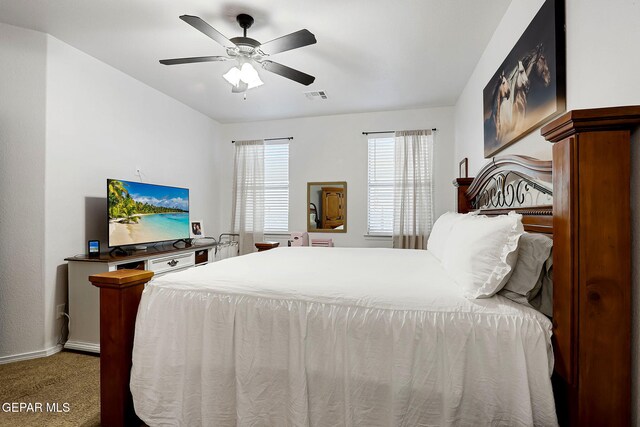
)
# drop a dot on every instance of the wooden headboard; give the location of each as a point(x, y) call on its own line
point(590, 221)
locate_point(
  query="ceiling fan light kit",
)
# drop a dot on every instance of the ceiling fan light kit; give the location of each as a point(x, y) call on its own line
point(246, 74)
point(247, 51)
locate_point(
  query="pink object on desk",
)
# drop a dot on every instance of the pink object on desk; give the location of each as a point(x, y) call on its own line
point(322, 243)
point(299, 238)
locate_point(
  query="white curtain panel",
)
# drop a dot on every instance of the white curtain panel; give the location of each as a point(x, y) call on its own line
point(248, 194)
point(413, 189)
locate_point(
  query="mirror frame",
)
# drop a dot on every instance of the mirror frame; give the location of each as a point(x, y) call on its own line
point(326, 184)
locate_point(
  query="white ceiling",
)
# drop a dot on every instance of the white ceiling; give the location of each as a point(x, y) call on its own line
point(371, 55)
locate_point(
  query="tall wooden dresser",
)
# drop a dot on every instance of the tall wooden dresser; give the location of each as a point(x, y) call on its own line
point(333, 207)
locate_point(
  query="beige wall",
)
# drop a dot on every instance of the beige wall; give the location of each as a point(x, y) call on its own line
point(22, 159)
point(67, 123)
point(332, 148)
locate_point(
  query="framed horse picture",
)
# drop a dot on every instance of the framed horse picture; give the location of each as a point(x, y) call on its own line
point(529, 87)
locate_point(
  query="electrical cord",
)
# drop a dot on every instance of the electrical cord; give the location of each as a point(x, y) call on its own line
point(68, 320)
point(61, 339)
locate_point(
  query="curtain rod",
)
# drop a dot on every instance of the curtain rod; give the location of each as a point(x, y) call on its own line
point(273, 139)
point(388, 131)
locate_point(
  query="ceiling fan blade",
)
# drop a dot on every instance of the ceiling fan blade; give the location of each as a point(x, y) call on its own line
point(288, 72)
point(207, 29)
point(290, 41)
point(193, 59)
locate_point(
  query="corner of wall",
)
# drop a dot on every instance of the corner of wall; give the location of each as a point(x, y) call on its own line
point(85, 141)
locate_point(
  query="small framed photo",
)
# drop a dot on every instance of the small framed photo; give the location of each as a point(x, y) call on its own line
point(197, 229)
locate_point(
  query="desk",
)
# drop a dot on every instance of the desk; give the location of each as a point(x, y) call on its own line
point(84, 299)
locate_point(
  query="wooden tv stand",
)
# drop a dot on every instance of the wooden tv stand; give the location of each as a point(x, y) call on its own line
point(84, 299)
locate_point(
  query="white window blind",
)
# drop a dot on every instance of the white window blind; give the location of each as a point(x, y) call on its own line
point(276, 187)
point(380, 186)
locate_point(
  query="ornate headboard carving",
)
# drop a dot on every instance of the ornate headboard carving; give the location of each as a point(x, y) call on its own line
point(519, 183)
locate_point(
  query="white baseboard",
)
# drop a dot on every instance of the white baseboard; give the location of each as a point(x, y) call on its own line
point(82, 346)
point(31, 355)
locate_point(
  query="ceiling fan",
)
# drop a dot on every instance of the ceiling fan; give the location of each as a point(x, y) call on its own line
point(247, 52)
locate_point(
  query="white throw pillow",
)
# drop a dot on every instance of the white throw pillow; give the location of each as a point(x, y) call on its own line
point(441, 230)
point(481, 252)
point(533, 252)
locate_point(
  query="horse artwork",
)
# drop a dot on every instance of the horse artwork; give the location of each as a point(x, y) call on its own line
point(533, 67)
point(529, 86)
point(501, 92)
point(513, 110)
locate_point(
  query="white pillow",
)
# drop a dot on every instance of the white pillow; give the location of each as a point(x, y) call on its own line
point(533, 252)
point(481, 252)
point(441, 230)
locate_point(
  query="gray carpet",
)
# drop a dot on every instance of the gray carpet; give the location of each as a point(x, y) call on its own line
point(67, 377)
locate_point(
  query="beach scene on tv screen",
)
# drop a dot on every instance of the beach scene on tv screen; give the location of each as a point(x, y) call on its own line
point(145, 213)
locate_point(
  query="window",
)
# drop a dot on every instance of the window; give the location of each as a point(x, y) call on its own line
point(276, 187)
point(380, 186)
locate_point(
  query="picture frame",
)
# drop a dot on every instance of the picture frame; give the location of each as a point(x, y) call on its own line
point(327, 200)
point(196, 229)
point(529, 87)
point(463, 165)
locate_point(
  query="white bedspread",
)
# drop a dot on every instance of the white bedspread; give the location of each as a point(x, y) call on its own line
point(336, 337)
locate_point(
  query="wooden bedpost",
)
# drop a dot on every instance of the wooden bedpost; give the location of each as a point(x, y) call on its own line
point(120, 293)
point(592, 264)
point(463, 203)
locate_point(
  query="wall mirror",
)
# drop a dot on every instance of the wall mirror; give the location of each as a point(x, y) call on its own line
point(327, 207)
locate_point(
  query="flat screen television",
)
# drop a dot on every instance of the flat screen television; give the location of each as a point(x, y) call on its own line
point(142, 213)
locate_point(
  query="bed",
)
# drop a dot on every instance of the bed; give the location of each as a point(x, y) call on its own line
point(383, 337)
point(590, 325)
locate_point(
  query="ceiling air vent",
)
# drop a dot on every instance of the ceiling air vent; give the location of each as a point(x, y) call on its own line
point(318, 94)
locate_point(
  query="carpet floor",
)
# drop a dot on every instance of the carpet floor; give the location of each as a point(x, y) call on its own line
point(59, 390)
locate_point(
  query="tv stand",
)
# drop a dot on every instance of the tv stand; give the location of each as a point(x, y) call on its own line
point(84, 299)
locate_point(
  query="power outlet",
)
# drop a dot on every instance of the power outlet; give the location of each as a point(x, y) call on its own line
point(60, 311)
